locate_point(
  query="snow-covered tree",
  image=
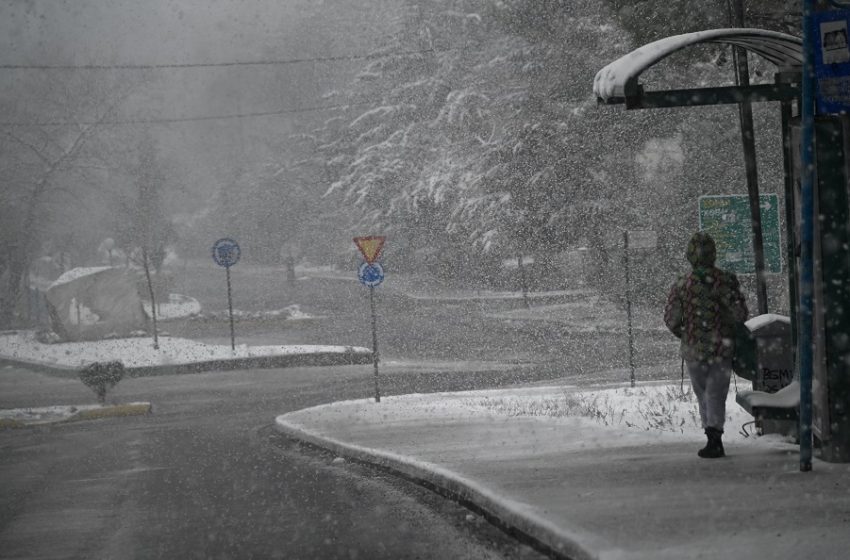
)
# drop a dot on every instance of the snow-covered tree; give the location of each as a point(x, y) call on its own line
point(474, 132)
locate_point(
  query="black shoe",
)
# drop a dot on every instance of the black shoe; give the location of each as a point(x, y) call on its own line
point(714, 448)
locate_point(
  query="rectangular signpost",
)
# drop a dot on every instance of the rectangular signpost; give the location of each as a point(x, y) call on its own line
point(727, 219)
point(831, 60)
point(638, 239)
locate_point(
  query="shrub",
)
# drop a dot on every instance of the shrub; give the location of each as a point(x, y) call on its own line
point(102, 376)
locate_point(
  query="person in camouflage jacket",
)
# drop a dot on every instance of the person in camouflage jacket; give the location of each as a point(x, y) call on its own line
point(703, 309)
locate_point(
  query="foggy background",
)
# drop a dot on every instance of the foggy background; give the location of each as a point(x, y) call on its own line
point(463, 130)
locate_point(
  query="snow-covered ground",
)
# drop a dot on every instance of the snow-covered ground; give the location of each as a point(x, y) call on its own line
point(670, 408)
point(643, 414)
point(140, 352)
point(177, 307)
point(606, 472)
point(492, 295)
point(289, 313)
point(44, 414)
point(184, 307)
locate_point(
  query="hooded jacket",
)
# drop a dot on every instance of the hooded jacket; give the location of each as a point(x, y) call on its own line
point(704, 305)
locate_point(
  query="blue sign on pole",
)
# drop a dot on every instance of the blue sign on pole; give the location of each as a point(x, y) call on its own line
point(831, 60)
point(226, 252)
point(370, 274)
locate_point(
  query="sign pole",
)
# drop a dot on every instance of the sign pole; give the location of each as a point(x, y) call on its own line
point(374, 341)
point(629, 308)
point(226, 253)
point(371, 274)
point(745, 116)
point(230, 310)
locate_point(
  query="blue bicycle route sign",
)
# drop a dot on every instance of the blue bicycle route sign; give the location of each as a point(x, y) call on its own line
point(226, 252)
point(370, 274)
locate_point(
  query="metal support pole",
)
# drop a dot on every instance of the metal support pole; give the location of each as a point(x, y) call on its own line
point(146, 264)
point(629, 308)
point(230, 311)
point(790, 230)
point(807, 171)
point(745, 114)
point(374, 341)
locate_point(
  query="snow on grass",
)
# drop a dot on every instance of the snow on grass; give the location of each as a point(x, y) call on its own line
point(139, 352)
point(45, 413)
point(489, 295)
point(181, 307)
point(289, 313)
point(645, 412)
point(177, 307)
point(649, 408)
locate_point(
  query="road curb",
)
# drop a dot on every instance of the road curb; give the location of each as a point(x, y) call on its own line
point(117, 410)
point(110, 411)
point(53, 369)
point(256, 362)
point(531, 529)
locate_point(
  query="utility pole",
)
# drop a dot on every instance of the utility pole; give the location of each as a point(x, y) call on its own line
point(629, 308)
point(745, 113)
point(805, 342)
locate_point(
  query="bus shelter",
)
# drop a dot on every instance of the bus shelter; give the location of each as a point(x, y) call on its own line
point(619, 84)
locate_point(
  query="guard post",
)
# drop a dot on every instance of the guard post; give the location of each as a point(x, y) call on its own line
point(638, 239)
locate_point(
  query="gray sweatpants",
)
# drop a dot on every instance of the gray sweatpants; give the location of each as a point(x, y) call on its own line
point(711, 386)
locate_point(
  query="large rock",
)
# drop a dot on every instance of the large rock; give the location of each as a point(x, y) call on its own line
point(93, 303)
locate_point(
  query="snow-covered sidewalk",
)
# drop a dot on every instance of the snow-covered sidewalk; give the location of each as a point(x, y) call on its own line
point(604, 473)
point(173, 354)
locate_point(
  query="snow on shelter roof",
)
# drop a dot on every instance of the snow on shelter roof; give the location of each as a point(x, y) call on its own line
point(620, 78)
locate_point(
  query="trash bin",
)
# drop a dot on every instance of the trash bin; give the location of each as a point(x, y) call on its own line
point(774, 352)
point(774, 411)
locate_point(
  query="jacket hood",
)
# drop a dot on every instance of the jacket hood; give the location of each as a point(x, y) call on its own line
point(701, 250)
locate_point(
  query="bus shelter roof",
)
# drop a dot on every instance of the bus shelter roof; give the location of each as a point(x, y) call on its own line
point(618, 81)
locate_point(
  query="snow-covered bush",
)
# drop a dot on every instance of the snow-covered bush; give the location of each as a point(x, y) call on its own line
point(102, 376)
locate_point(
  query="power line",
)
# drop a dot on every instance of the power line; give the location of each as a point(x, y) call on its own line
point(279, 62)
point(166, 120)
point(204, 65)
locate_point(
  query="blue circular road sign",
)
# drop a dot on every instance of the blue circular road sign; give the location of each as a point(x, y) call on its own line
point(370, 274)
point(226, 252)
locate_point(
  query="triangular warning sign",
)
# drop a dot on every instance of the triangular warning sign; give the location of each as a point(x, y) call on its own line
point(370, 246)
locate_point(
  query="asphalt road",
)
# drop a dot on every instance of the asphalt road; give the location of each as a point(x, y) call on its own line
point(204, 476)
